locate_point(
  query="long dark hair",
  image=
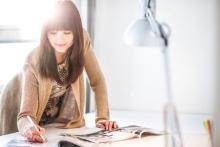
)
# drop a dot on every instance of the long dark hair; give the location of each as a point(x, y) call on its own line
point(67, 18)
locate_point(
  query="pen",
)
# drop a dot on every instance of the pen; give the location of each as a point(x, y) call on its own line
point(32, 123)
point(208, 126)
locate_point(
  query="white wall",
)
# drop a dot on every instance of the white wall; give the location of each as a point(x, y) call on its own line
point(135, 76)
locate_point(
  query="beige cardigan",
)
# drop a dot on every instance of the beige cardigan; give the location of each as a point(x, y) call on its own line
point(32, 95)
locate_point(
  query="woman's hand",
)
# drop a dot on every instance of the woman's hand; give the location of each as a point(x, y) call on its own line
point(107, 124)
point(34, 135)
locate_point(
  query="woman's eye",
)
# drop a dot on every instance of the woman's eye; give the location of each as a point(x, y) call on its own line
point(67, 32)
point(53, 32)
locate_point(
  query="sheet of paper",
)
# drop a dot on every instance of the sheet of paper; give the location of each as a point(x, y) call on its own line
point(75, 131)
point(18, 142)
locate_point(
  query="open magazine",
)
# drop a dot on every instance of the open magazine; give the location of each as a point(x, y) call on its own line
point(118, 134)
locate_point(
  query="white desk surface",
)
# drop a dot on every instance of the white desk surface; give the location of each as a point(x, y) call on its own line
point(194, 135)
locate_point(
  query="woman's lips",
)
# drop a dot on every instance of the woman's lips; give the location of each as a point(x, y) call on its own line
point(60, 45)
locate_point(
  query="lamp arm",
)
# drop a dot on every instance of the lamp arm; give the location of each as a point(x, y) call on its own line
point(158, 28)
point(165, 32)
point(171, 120)
point(144, 5)
point(153, 23)
point(147, 4)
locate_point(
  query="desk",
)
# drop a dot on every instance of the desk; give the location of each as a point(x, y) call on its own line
point(193, 133)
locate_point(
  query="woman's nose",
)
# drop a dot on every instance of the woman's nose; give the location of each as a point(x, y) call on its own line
point(59, 36)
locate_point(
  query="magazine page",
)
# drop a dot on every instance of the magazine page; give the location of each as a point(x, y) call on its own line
point(141, 131)
point(108, 136)
point(118, 134)
point(75, 131)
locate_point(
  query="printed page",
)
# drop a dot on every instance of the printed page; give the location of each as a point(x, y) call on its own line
point(139, 130)
point(118, 134)
point(75, 131)
point(104, 137)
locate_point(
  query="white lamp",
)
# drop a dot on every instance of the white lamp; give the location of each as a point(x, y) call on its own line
point(147, 32)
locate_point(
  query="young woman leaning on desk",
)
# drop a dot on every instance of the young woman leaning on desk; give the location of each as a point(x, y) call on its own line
point(52, 86)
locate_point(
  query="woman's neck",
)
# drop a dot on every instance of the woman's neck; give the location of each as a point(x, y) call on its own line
point(60, 57)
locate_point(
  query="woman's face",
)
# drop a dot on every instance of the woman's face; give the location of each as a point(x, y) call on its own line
point(60, 40)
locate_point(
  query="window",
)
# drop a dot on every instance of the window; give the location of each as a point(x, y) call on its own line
point(19, 33)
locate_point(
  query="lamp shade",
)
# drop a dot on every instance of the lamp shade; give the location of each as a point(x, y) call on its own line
point(140, 33)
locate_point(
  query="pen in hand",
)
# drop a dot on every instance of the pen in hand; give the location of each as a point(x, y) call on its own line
point(32, 123)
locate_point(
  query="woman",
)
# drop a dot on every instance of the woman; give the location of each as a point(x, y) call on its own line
point(52, 78)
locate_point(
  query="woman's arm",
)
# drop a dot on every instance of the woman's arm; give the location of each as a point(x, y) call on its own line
point(29, 106)
point(29, 100)
point(96, 80)
point(98, 85)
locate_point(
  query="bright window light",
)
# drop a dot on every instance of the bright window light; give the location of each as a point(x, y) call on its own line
point(20, 20)
point(26, 15)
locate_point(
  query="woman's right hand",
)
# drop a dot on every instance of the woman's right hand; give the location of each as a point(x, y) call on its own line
point(34, 135)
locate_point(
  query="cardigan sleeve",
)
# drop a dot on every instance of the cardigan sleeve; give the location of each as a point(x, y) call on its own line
point(29, 98)
point(96, 80)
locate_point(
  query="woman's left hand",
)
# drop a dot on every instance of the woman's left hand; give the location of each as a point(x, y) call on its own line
point(107, 124)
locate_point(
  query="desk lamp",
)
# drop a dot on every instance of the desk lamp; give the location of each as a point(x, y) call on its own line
point(147, 32)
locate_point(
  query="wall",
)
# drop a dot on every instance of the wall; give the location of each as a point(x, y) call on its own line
point(135, 76)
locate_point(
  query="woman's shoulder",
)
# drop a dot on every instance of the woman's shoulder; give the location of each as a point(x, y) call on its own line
point(32, 58)
point(87, 41)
